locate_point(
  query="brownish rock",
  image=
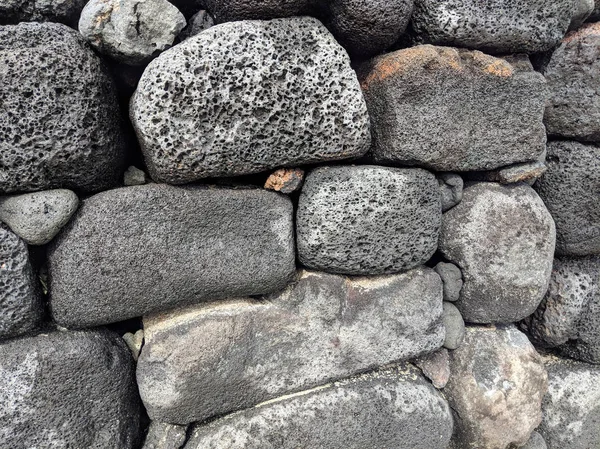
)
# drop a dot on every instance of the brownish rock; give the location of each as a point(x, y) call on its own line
point(285, 180)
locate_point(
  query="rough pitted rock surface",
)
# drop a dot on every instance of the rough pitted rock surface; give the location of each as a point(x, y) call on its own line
point(451, 188)
point(571, 188)
point(445, 109)
point(245, 97)
point(572, 405)
point(322, 328)
point(62, 11)
point(134, 250)
point(131, 31)
point(582, 9)
point(497, 382)
point(495, 26)
point(165, 436)
point(502, 238)
point(61, 130)
point(573, 77)
point(232, 10)
point(21, 308)
point(367, 220)
point(68, 390)
point(452, 279)
point(393, 408)
point(569, 315)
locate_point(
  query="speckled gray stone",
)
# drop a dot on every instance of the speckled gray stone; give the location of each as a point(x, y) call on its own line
point(367, 219)
point(134, 177)
point(21, 307)
point(61, 130)
point(62, 11)
point(496, 26)
point(199, 22)
point(165, 436)
point(446, 109)
point(138, 249)
point(249, 96)
point(393, 408)
point(571, 188)
point(68, 390)
point(503, 238)
point(582, 9)
point(527, 172)
point(131, 31)
point(215, 358)
point(454, 325)
point(452, 279)
point(451, 187)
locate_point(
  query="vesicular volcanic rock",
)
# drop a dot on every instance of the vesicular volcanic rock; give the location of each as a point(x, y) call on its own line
point(68, 389)
point(245, 97)
point(446, 109)
point(63, 11)
point(393, 408)
point(368, 220)
point(211, 359)
point(497, 382)
point(61, 130)
point(571, 190)
point(503, 239)
point(139, 249)
point(232, 10)
point(497, 26)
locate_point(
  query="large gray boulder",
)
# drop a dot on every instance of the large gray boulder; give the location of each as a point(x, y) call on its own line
point(215, 358)
point(68, 390)
point(139, 249)
point(573, 76)
point(245, 97)
point(495, 26)
point(503, 239)
point(368, 219)
point(62, 11)
point(393, 408)
point(572, 405)
point(21, 307)
point(446, 109)
point(497, 382)
point(569, 315)
point(571, 188)
point(61, 130)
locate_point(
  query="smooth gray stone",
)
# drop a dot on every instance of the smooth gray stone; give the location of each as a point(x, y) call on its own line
point(62, 130)
point(451, 187)
point(495, 26)
point(392, 408)
point(536, 441)
point(212, 359)
point(131, 31)
point(367, 220)
point(134, 177)
point(452, 279)
point(454, 325)
point(570, 191)
point(21, 307)
point(527, 172)
point(37, 217)
point(582, 9)
point(62, 11)
point(68, 390)
point(134, 250)
point(199, 22)
point(446, 109)
point(503, 239)
point(134, 342)
point(165, 436)
point(245, 97)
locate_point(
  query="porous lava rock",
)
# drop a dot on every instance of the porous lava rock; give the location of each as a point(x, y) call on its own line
point(233, 10)
point(62, 11)
point(446, 109)
point(134, 250)
point(452, 279)
point(367, 220)
point(249, 96)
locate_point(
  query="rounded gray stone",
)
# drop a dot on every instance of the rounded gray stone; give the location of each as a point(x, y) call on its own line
point(502, 238)
point(199, 22)
point(62, 11)
point(134, 177)
point(582, 9)
point(451, 187)
point(495, 26)
point(570, 189)
point(452, 279)
point(131, 31)
point(455, 326)
point(165, 436)
point(61, 130)
point(367, 219)
point(249, 96)
point(37, 217)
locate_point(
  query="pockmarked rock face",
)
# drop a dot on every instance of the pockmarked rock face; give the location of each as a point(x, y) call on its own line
point(215, 358)
point(232, 10)
point(573, 76)
point(68, 389)
point(21, 307)
point(245, 97)
point(570, 189)
point(497, 382)
point(139, 249)
point(131, 31)
point(503, 239)
point(367, 220)
point(62, 11)
point(389, 408)
point(571, 406)
point(446, 109)
point(496, 26)
point(61, 130)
